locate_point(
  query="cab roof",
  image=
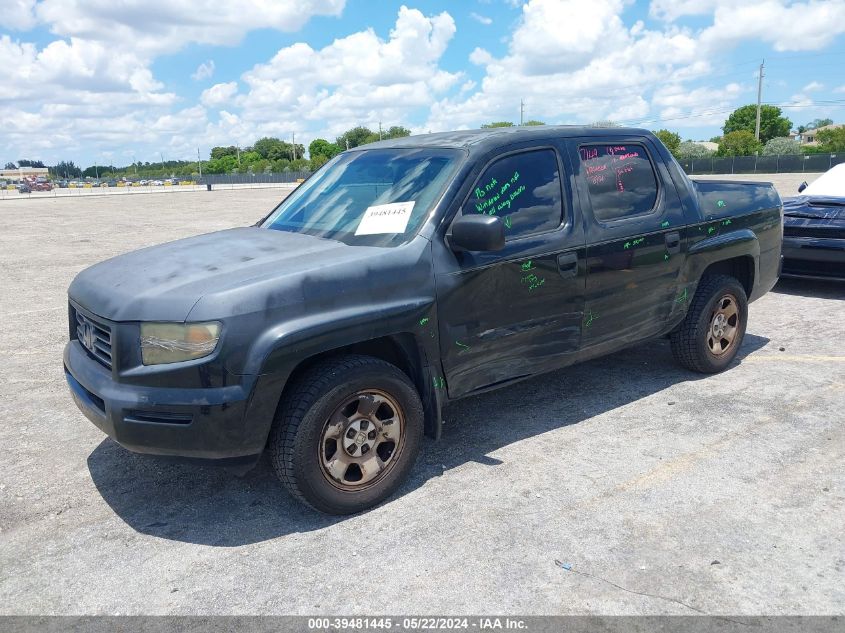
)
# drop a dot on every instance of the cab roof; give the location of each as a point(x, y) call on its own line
point(491, 138)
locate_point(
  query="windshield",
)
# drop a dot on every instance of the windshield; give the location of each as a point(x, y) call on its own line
point(376, 197)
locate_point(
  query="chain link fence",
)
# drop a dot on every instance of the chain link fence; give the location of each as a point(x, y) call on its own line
point(813, 163)
point(254, 179)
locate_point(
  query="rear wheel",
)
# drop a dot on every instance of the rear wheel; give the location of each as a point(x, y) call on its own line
point(348, 434)
point(711, 334)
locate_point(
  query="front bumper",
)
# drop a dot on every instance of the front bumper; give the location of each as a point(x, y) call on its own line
point(210, 423)
point(813, 257)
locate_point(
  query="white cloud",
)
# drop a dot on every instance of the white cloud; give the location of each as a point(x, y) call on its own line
point(671, 10)
point(19, 14)
point(572, 62)
point(219, 94)
point(480, 57)
point(794, 26)
point(482, 19)
point(92, 89)
point(204, 71)
point(152, 27)
point(358, 79)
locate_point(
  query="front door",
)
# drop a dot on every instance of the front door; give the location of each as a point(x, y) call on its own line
point(635, 228)
point(512, 313)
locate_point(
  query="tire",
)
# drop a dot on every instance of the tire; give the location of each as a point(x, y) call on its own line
point(346, 417)
point(698, 343)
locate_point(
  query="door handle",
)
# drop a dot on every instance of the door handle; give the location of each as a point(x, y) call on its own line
point(567, 264)
point(673, 242)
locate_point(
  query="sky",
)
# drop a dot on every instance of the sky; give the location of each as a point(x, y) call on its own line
point(112, 81)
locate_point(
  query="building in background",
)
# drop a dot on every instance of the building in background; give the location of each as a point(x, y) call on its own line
point(20, 173)
point(808, 137)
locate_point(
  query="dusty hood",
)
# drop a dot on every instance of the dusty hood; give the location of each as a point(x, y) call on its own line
point(164, 282)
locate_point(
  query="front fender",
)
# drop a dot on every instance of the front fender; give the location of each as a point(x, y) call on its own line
point(283, 346)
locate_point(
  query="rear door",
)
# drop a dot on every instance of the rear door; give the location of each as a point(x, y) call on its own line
point(515, 312)
point(634, 225)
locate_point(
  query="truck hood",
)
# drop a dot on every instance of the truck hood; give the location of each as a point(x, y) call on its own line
point(164, 283)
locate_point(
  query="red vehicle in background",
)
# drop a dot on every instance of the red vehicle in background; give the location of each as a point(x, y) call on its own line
point(38, 184)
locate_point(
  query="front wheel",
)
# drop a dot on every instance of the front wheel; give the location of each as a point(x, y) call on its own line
point(347, 434)
point(709, 337)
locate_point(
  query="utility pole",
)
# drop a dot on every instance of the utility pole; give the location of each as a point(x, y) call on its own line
point(293, 143)
point(96, 170)
point(759, 99)
point(238, 152)
point(379, 130)
point(199, 162)
point(521, 110)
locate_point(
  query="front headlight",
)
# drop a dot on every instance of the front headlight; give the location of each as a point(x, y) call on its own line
point(176, 342)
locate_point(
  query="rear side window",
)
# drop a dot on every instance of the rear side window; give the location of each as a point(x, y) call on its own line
point(524, 190)
point(620, 179)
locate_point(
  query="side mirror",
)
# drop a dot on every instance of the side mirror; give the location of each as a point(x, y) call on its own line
point(478, 233)
point(802, 186)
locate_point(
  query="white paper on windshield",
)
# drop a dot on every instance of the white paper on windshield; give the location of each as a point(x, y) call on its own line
point(385, 218)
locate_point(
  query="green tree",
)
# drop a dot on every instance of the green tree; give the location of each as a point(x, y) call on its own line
point(220, 152)
point(497, 124)
point(355, 137)
point(322, 147)
point(280, 165)
point(832, 140)
point(396, 131)
point(10, 166)
point(772, 124)
point(317, 161)
point(273, 148)
point(25, 162)
point(534, 122)
point(695, 151)
point(66, 169)
point(781, 146)
point(739, 143)
point(816, 124)
point(670, 139)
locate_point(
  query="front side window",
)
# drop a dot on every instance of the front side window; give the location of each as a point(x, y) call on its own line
point(620, 180)
point(376, 197)
point(524, 190)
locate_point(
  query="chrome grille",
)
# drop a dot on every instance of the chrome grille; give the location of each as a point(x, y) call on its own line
point(95, 337)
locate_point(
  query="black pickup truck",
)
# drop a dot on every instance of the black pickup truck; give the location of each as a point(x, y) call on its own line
point(405, 274)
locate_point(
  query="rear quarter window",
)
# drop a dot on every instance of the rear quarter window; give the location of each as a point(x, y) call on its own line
point(620, 180)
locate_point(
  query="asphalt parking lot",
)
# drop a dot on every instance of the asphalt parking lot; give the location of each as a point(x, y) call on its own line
point(664, 491)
